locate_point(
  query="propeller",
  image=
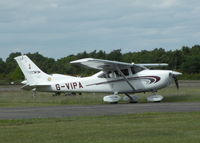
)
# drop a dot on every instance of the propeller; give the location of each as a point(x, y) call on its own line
point(174, 76)
point(176, 82)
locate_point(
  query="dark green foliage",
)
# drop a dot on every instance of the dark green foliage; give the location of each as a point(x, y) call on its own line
point(11, 63)
point(191, 64)
point(2, 66)
point(16, 75)
point(115, 55)
point(186, 60)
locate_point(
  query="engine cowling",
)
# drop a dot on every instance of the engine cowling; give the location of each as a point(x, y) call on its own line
point(111, 98)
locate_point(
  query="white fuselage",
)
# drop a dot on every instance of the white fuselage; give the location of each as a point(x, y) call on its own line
point(146, 80)
point(114, 77)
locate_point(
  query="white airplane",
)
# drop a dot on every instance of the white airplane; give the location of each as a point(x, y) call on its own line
point(114, 77)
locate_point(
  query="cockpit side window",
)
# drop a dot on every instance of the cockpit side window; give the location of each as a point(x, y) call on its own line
point(136, 69)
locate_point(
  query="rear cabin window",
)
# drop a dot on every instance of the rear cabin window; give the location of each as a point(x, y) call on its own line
point(106, 75)
point(103, 75)
point(125, 72)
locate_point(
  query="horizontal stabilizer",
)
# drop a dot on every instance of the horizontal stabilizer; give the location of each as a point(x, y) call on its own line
point(29, 87)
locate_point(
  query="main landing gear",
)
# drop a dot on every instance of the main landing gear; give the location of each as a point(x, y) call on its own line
point(56, 94)
point(131, 98)
point(115, 98)
point(34, 92)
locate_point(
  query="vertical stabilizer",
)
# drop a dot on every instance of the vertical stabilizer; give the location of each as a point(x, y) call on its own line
point(32, 73)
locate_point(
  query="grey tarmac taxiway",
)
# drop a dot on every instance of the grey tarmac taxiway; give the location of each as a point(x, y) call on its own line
point(95, 110)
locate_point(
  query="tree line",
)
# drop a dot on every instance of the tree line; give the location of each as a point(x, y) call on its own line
point(185, 60)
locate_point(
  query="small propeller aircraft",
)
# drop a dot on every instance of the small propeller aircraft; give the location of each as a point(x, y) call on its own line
point(114, 78)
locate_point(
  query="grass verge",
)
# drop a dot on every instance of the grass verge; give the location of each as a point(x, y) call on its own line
point(19, 98)
point(138, 128)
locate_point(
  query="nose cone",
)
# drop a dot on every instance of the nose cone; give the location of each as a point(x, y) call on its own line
point(176, 73)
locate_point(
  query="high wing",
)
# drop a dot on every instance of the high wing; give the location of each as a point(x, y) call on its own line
point(110, 65)
point(153, 65)
point(101, 64)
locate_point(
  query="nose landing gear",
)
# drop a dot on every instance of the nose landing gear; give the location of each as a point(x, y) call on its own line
point(155, 98)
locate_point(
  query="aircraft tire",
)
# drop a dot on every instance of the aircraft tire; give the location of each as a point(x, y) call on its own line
point(113, 102)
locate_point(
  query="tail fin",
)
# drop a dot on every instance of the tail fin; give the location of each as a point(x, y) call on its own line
point(32, 73)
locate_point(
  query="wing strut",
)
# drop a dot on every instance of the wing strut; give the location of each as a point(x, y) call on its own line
point(122, 74)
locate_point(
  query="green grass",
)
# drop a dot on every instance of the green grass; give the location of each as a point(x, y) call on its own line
point(171, 94)
point(9, 98)
point(138, 128)
point(24, 98)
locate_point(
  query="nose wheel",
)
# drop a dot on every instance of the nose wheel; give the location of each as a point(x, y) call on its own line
point(155, 98)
